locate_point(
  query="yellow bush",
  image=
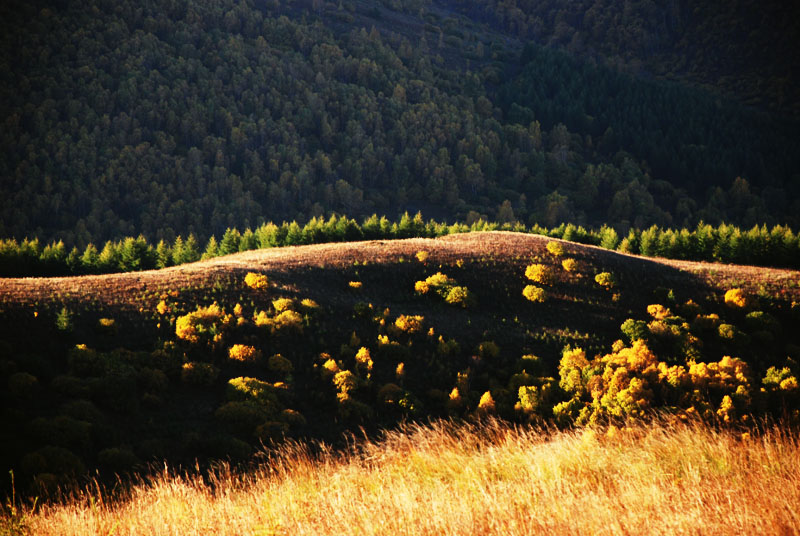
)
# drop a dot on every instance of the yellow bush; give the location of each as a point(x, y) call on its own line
point(243, 353)
point(555, 248)
point(486, 403)
point(605, 280)
point(282, 304)
point(261, 319)
point(410, 323)
point(455, 400)
point(631, 380)
point(569, 265)
point(659, 312)
point(251, 389)
point(309, 305)
point(205, 323)
point(570, 369)
point(538, 273)
point(421, 287)
point(355, 284)
point(400, 372)
point(256, 281)
point(460, 296)
point(345, 381)
point(788, 384)
point(331, 366)
point(534, 293)
point(736, 297)
point(363, 358)
point(422, 256)
point(289, 321)
point(162, 307)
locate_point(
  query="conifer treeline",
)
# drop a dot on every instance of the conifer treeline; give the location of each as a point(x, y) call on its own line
point(760, 245)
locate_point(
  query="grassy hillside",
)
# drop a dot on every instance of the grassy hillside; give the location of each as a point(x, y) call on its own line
point(485, 479)
point(211, 359)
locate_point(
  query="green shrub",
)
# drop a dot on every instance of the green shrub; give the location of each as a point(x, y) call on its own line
point(242, 417)
point(23, 386)
point(199, 374)
point(71, 386)
point(488, 349)
point(293, 418)
point(85, 361)
point(271, 431)
point(117, 391)
point(54, 460)
point(224, 446)
point(82, 410)
point(635, 330)
point(761, 321)
point(116, 460)
point(61, 430)
point(278, 363)
point(244, 389)
point(153, 380)
point(64, 320)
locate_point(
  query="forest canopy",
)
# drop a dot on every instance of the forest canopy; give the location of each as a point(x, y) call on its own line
point(183, 117)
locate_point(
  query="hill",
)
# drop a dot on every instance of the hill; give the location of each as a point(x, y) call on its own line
point(207, 360)
point(170, 118)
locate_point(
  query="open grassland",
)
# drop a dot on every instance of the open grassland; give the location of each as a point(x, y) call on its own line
point(473, 479)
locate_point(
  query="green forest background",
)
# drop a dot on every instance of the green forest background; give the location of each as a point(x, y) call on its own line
point(177, 118)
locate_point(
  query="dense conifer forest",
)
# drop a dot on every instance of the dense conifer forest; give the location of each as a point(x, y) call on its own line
point(185, 117)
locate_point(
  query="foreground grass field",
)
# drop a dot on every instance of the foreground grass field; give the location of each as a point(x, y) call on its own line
point(474, 479)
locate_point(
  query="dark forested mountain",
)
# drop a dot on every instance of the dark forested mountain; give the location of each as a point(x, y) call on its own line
point(177, 117)
point(745, 48)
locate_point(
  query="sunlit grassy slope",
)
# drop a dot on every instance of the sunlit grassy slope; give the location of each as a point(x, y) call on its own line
point(476, 479)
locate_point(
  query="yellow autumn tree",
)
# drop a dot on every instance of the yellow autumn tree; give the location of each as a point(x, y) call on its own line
point(539, 273)
point(206, 324)
point(736, 298)
point(256, 281)
point(534, 293)
point(244, 353)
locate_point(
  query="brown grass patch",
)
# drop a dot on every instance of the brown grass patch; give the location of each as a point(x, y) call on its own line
point(489, 479)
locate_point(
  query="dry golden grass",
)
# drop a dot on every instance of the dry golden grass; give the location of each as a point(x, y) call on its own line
point(447, 479)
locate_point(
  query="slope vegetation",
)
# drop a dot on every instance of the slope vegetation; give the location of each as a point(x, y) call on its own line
point(211, 359)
